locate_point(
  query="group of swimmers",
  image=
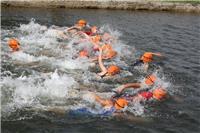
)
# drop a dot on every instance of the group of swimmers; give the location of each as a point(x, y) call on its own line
point(101, 44)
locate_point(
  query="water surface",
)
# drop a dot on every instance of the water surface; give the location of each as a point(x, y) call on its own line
point(176, 35)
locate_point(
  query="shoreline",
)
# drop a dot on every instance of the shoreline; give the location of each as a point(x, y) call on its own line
point(159, 5)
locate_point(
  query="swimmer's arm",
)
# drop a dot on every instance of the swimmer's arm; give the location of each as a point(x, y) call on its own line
point(146, 66)
point(102, 101)
point(71, 28)
point(80, 33)
point(101, 65)
point(96, 58)
point(157, 54)
point(129, 85)
point(84, 34)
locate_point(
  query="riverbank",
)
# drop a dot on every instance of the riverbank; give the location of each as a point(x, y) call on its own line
point(159, 5)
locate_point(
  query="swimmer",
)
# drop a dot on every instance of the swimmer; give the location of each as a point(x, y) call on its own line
point(108, 51)
point(110, 71)
point(91, 31)
point(148, 81)
point(80, 26)
point(117, 104)
point(157, 94)
point(14, 44)
point(92, 37)
point(74, 30)
point(146, 58)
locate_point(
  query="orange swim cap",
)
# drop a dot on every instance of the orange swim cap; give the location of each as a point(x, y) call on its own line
point(112, 70)
point(107, 47)
point(159, 93)
point(14, 44)
point(83, 53)
point(96, 38)
point(150, 80)
point(82, 22)
point(120, 103)
point(108, 51)
point(147, 57)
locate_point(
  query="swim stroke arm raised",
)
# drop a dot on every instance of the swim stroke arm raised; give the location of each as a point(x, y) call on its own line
point(101, 65)
point(128, 85)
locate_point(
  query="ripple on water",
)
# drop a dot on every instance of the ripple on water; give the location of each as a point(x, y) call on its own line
point(27, 96)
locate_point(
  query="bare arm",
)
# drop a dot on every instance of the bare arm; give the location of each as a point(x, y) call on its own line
point(96, 58)
point(157, 54)
point(101, 65)
point(103, 102)
point(146, 66)
point(128, 85)
point(71, 28)
point(81, 33)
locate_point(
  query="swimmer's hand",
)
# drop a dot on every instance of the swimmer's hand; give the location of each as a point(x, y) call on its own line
point(157, 54)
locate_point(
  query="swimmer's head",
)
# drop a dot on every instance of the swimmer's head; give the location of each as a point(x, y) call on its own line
point(150, 80)
point(147, 57)
point(83, 53)
point(159, 93)
point(82, 23)
point(112, 70)
point(120, 103)
point(14, 44)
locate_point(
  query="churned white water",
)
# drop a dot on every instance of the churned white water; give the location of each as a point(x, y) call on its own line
point(47, 71)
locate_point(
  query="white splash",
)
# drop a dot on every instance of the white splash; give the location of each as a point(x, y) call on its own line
point(29, 90)
point(41, 44)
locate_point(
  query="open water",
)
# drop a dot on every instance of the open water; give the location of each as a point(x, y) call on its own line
point(43, 81)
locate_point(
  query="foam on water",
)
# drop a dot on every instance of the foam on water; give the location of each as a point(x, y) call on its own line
point(44, 45)
point(36, 89)
point(73, 64)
